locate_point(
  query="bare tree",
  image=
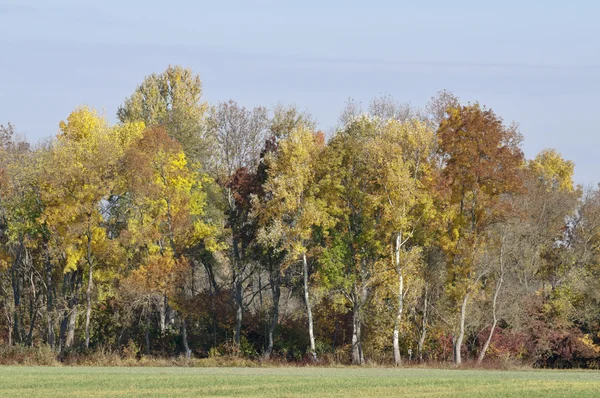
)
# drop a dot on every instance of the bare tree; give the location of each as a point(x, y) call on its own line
point(435, 110)
point(386, 107)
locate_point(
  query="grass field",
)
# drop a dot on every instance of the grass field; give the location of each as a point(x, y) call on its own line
point(50, 382)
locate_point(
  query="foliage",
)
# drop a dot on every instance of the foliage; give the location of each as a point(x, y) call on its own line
point(196, 230)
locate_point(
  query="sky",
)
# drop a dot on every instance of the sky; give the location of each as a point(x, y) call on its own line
point(533, 62)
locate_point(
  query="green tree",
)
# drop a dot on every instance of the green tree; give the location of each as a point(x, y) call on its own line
point(354, 249)
point(172, 99)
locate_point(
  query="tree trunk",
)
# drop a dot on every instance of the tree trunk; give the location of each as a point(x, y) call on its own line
point(494, 308)
point(73, 281)
point(461, 333)
point(311, 334)
point(49, 299)
point(275, 281)
point(62, 331)
point(238, 292)
point(421, 341)
point(360, 294)
point(33, 298)
point(186, 346)
point(487, 343)
point(147, 334)
point(10, 339)
point(17, 302)
point(8, 313)
point(72, 320)
point(162, 312)
point(357, 355)
point(239, 310)
point(399, 271)
point(88, 312)
point(33, 317)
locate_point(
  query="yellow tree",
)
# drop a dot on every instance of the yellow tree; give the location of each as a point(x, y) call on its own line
point(402, 153)
point(551, 198)
point(552, 171)
point(291, 210)
point(167, 201)
point(80, 173)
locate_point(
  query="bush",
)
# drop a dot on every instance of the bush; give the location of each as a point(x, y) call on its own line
point(21, 355)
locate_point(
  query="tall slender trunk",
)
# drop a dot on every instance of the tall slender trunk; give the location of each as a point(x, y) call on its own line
point(73, 281)
point(487, 341)
point(186, 346)
point(400, 304)
point(49, 298)
point(88, 297)
point(237, 271)
point(10, 336)
point(33, 318)
point(461, 333)
point(162, 312)
point(33, 311)
point(71, 323)
point(8, 314)
point(16, 287)
point(239, 310)
point(62, 331)
point(423, 334)
point(359, 298)
point(357, 354)
point(64, 305)
point(494, 307)
point(238, 291)
point(275, 281)
point(90, 285)
point(213, 290)
point(311, 334)
point(147, 334)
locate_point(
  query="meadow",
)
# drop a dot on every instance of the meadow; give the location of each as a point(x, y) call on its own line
point(47, 382)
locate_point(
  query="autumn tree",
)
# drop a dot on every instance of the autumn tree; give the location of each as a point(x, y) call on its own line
point(21, 248)
point(290, 212)
point(481, 163)
point(185, 221)
point(350, 188)
point(79, 174)
point(402, 153)
point(167, 202)
point(172, 99)
point(239, 135)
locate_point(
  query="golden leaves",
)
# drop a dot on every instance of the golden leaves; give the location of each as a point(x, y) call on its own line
point(552, 171)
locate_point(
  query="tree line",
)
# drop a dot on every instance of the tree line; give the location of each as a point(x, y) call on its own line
point(215, 230)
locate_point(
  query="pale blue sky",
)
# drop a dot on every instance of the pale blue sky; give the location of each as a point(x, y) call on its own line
point(536, 62)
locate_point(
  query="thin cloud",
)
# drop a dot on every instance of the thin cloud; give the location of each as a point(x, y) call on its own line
point(11, 9)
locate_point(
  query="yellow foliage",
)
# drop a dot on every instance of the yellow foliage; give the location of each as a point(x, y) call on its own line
point(553, 171)
point(126, 134)
point(72, 259)
point(589, 342)
point(81, 124)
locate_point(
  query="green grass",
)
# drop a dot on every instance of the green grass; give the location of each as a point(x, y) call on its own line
point(50, 382)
